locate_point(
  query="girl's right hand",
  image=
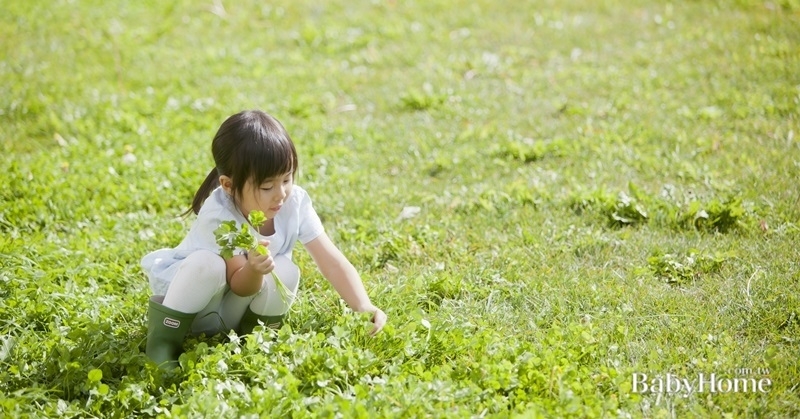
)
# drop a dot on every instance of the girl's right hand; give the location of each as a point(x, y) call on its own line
point(262, 264)
point(378, 320)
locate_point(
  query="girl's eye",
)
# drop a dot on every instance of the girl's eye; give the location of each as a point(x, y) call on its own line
point(285, 181)
point(267, 189)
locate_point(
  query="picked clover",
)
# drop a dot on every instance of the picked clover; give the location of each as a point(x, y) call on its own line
point(230, 238)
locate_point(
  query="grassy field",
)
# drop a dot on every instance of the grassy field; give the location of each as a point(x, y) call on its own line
point(607, 191)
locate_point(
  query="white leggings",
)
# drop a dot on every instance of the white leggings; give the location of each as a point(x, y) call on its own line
point(200, 286)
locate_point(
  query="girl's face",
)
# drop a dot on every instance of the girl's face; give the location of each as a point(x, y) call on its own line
point(267, 197)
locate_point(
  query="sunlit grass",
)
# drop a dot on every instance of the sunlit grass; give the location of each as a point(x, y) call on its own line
point(603, 189)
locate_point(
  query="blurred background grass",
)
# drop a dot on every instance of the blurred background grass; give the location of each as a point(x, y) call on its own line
point(514, 127)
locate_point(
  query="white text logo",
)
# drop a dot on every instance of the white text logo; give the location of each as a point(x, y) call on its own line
point(741, 382)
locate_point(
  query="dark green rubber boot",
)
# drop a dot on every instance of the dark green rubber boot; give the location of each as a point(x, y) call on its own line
point(250, 321)
point(166, 329)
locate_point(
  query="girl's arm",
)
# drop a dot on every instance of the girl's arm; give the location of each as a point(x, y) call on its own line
point(335, 267)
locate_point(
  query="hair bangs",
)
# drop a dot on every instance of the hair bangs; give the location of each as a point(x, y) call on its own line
point(269, 153)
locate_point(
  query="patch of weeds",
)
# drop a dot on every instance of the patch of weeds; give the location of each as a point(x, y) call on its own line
point(528, 150)
point(619, 211)
point(415, 100)
point(521, 194)
point(513, 195)
point(569, 109)
point(441, 287)
point(636, 208)
point(389, 249)
point(675, 269)
point(715, 215)
point(393, 246)
point(582, 202)
point(309, 36)
point(438, 166)
point(627, 210)
point(786, 5)
point(472, 135)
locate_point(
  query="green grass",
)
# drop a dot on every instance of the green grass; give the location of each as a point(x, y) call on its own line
point(606, 188)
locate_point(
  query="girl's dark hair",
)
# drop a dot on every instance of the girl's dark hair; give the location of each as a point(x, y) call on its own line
point(250, 145)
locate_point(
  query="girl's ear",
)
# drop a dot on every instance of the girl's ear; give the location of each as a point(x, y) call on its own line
point(227, 184)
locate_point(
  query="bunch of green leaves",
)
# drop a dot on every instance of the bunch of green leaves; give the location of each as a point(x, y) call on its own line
point(716, 215)
point(704, 101)
point(620, 211)
point(677, 270)
point(231, 237)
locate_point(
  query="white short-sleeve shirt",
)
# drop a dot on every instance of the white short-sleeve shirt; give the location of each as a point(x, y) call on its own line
point(296, 220)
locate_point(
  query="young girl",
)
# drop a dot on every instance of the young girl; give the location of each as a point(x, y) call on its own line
point(196, 290)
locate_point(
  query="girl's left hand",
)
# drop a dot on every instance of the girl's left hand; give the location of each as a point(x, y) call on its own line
point(378, 320)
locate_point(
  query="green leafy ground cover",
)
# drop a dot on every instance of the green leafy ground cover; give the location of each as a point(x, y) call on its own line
point(606, 188)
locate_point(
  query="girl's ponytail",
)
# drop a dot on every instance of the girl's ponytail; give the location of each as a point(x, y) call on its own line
point(208, 186)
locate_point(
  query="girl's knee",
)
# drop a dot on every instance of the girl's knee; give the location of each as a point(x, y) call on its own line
point(272, 301)
point(199, 282)
point(287, 271)
point(204, 264)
